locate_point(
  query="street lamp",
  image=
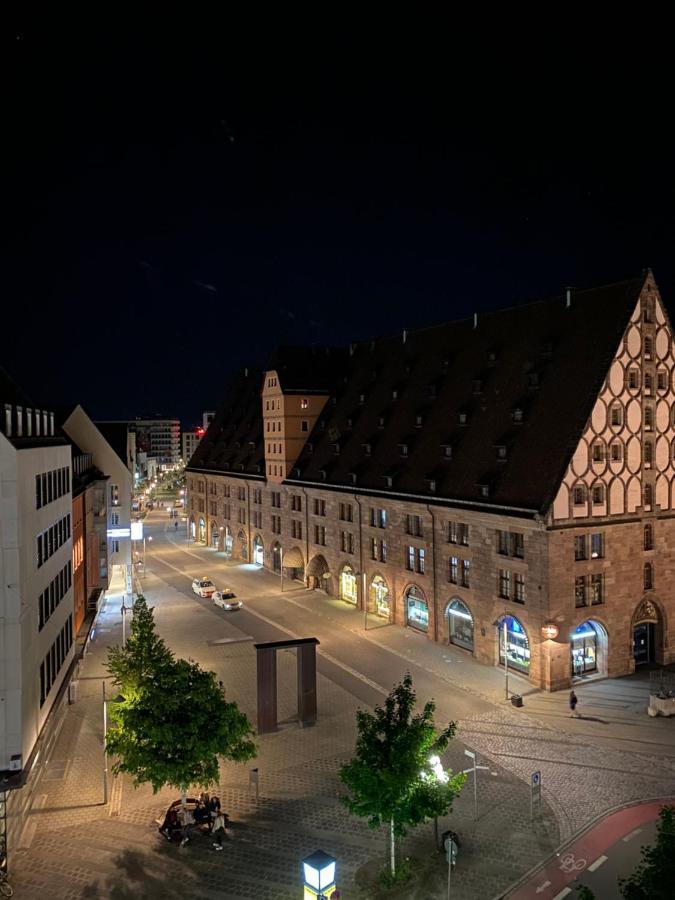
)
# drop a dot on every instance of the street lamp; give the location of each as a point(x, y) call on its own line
point(318, 875)
point(150, 538)
point(438, 774)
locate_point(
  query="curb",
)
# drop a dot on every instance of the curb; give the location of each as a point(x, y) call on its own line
point(608, 812)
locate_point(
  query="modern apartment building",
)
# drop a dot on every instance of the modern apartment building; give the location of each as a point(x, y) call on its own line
point(504, 483)
point(36, 582)
point(159, 438)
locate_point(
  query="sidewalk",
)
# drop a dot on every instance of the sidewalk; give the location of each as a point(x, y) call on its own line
point(80, 848)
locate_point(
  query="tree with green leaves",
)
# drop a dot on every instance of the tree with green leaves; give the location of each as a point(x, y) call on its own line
point(173, 722)
point(654, 878)
point(393, 777)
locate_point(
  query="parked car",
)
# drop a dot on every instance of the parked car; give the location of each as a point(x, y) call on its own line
point(227, 599)
point(203, 587)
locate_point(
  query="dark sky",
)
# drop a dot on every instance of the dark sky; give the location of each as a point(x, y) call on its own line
point(181, 196)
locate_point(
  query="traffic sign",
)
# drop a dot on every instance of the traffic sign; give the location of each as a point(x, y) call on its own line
point(536, 779)
point(470, 753)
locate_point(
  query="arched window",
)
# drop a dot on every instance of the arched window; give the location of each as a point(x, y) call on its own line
point(649, 537)
point(460, 624)
point(648, 577)
point(348, 587)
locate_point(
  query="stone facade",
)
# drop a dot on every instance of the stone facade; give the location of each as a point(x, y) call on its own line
point(583, 584)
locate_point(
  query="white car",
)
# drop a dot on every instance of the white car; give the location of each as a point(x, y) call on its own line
point(227, 599)
point(203, 587)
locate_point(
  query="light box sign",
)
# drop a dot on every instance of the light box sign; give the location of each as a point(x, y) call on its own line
point(119, 532)
point(136, 531)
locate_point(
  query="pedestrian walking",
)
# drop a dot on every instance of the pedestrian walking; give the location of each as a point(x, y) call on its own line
point(218, 831)
point(175, 525)
point(573, 704)
point(187, 821)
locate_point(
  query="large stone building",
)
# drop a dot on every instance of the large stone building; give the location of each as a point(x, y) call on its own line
point(505, 483)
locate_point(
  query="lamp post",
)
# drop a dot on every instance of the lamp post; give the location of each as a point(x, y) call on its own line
point(506, 662)
point(149, 538)
point(318, 875)
point(365, 601)
point(281, 568)
point(124, 625)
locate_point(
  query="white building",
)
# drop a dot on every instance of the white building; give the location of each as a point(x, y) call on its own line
point(190, 442)
point(36, 595)
point(112, 448)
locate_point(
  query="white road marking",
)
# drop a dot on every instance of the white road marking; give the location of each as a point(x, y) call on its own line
point(542, 887)
point(327, 656)
point(596, 865)
point(633, 834)
point(563, 893)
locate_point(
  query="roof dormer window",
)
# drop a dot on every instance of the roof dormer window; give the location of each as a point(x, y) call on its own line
point(388, 480)
point(366, 449)
point(517, 415)
point(463, 418)
point(380, 422)
point(362, 399)
point(336, 449)
point(447, 451)
point(501, 452)
point(352, 477)
point(419, 419)
point(477, 386)
point(394, 394)
point(404, 449)
point(304, 403)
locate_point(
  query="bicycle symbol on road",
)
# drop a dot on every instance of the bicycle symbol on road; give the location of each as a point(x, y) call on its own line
point(570, 864)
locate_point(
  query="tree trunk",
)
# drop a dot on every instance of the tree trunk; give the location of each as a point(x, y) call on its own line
point(183, 797)
point(392, 847)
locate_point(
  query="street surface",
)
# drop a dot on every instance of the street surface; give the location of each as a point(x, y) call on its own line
point(75, 847)
point(598, 859)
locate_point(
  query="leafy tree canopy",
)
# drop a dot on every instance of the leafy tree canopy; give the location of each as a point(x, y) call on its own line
point(654, 878)
point(173, 721)
point(390, 779)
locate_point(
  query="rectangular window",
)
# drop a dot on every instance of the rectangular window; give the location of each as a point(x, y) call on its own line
point(580, 591)
point(420, 561)
point(597, 546)
point(453, 569)
point(383, 551)
point(115, 546)
point(518, 545)
point(580, 546)
point(596, 589)
point(505, 584)
point(579, 495)
point(410, 559)
point(519, 583)
point(453, 533)
point(598, 494)
point(373, 548)
point(466, 573)
point(382, 518)
point(503, 542)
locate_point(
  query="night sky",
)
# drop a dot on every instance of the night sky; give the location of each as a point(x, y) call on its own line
point(181, 197)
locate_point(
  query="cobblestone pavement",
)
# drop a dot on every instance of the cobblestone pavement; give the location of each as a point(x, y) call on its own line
point(75, 847)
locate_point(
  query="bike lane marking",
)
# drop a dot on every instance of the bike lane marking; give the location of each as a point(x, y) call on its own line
point(567, 865)
point(596, 865)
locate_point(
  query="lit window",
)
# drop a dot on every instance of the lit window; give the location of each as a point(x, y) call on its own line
point(303, 403)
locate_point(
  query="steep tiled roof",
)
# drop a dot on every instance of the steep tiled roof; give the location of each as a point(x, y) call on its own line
point(234, 440)
point(499, 402)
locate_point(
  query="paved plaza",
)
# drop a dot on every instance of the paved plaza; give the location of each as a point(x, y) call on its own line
point(75, 847)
